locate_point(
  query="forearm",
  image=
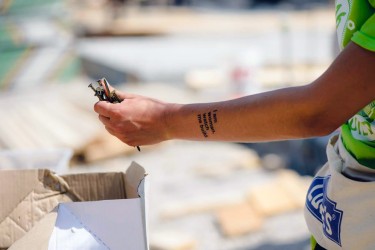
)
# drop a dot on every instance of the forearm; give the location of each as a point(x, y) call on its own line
point(276, 115)
point(312, 110)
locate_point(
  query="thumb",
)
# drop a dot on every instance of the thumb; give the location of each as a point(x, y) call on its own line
point(122, 95)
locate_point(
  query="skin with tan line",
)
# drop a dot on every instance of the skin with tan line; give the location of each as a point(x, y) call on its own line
point(315, 109)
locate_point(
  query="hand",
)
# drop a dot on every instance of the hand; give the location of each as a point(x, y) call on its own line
point(136, 121)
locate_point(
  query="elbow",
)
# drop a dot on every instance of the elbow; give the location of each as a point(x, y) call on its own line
point(324, 131)
point(317, 116)
point(319, 125)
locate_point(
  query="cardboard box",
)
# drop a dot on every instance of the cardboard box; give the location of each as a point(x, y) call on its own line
point(42, 210)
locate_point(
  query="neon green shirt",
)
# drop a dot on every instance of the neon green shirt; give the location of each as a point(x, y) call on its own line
point(355, 21)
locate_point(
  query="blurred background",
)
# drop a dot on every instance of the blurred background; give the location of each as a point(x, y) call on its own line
point(203, 195)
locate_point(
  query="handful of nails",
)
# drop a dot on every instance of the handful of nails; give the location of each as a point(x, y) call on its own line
point(102, 91)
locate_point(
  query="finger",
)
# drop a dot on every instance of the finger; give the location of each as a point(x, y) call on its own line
point(123, 95)
point(120, 94)
point(103, 108)
point(104, 120)
point(120, 137)
point(111, 131)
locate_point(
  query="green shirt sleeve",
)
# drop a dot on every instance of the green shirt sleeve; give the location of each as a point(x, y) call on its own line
point(365, 37)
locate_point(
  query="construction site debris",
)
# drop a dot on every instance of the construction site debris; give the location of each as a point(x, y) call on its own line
point(238, 219)
point(172, 240)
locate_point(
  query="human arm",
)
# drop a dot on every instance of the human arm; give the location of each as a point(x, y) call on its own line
point(298, 112)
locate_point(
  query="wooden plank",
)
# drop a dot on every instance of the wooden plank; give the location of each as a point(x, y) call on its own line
point(11, 133)
point(238, 219)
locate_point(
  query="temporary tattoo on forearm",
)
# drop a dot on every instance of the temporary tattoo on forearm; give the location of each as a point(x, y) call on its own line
point(207, 121)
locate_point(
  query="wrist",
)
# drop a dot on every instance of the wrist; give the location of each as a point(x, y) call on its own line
point(171, 120)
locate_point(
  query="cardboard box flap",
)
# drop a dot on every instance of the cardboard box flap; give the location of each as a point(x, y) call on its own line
point(37, 238)
point(27, 195)
point(15, 185)
point(133, 178)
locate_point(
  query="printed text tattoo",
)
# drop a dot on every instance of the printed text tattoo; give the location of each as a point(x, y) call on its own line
point(206, 122)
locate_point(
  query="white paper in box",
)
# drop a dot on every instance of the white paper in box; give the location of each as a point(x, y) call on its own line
point(101, 225)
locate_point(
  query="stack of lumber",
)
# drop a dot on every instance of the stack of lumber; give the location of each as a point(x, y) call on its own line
point(56, 116)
